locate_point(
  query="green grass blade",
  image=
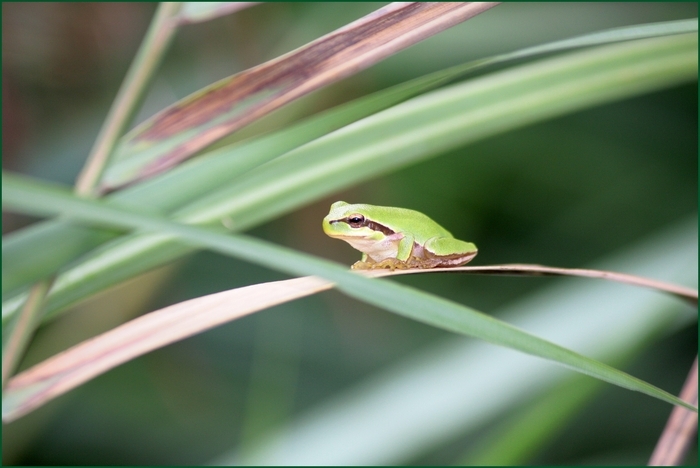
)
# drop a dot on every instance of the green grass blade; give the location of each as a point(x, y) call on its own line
point(445, 119)
point(148, 58)
point(38, 250)
point(42, 199)
point(642, 31)
point(164, 139)
point(460, 390)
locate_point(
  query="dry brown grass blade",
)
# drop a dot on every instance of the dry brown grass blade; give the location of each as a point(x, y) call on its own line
point(218, 110)
point(516, 269)
point(681, 428)
point(32, 388)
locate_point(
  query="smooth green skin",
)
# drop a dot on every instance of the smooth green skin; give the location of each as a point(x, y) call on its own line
point(415, 240)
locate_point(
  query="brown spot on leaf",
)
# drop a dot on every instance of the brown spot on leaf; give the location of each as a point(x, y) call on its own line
point(317, 61)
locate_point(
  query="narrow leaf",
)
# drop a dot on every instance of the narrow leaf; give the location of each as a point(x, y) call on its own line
point(204, 117)
point(36, 251)
point(687, 294)
point(681, 428)
point(65, 371)
point(155, 44)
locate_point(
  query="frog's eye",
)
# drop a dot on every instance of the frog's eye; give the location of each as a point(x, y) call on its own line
point(356, 220)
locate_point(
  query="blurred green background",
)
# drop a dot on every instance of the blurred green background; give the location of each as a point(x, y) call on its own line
point(566, 192)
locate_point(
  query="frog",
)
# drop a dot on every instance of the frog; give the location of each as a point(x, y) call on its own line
point(395, 238)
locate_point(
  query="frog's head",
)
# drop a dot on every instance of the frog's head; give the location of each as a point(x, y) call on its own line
point(348, 222)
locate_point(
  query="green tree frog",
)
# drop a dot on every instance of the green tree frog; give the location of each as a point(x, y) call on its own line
point(395, 237)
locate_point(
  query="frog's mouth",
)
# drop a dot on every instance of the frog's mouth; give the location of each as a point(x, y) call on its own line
point(366, 223)
point(350, 237)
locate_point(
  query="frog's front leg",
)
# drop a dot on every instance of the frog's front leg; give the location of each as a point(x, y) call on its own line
point(403, 254)
point(405, 248)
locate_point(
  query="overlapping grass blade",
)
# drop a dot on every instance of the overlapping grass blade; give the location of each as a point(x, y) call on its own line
point(461, 389)
point(36, 251)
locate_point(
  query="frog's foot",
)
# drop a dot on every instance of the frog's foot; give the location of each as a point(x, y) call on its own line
point(420, 263)
point(390, 263)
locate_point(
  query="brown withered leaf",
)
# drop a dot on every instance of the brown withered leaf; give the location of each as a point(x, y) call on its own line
point(216, 111)
point(681, 429)
point(517, 269)
point(65, 371)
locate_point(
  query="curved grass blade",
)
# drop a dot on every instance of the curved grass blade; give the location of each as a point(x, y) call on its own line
point(687, 294)
point(75, 366)
point(195, 122)
point(457, 388)
point(446, 119)
point(139, 148)
point(155, 44)
point(34, 252)
point(61, 373)
point(681, 428)
point(39, 250)
point(41, 199)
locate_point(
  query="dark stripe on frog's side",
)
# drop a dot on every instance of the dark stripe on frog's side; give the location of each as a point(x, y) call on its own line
point(370, 224)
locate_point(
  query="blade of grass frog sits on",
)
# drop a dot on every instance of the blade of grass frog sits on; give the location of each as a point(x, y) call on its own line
point(395, 237)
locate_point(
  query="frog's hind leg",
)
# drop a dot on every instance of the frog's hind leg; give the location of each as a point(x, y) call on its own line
point(447, 252)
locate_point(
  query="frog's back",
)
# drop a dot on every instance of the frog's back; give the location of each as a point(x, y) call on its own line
point(402, 219)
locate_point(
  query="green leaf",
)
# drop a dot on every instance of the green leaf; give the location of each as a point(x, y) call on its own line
point(43, 199)
point(34, 252)
point(458, 389)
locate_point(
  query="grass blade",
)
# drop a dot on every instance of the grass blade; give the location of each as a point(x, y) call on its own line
point(154, 46)
point(681, 428)
point(65, 371)
point(687, 294)
point(195, 122)
point(459, 389)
